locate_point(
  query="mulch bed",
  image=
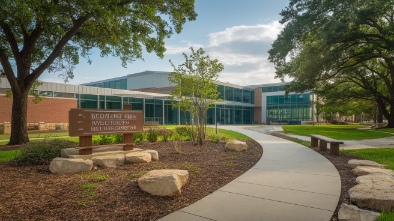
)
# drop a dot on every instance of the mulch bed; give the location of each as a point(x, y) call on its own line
point(34, 193)
point(348, 179)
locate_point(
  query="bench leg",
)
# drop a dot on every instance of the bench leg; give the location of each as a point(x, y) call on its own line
point(314, 142)
point(334, 149)
point(323, 145)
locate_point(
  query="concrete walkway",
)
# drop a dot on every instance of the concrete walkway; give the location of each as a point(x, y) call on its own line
point(290, 182)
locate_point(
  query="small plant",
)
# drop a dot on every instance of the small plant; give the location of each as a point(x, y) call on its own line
point(96, 177)
point(88, 190)
point(81, 203)
point(191, 167)
point(214, 137)
point(175, 145)
point(39, 153)
point(135, 175)
point(104, 139)
point(229, 164)
point(152, 135)
point(182, 131)
point(138, 137)
point(165, 133)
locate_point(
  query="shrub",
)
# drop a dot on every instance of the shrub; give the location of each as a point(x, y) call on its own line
point(39, 153)
point(118, 138)
point(104, 139)
point(182, 131)
point(138, 137)
point(165, 133)
point(214, 138)
point(152, 135)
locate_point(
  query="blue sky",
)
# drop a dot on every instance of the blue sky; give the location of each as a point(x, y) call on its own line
point(237, 33)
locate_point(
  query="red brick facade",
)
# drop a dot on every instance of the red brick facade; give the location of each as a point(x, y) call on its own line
point(50, 110)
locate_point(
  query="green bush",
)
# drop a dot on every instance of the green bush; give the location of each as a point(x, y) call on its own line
point(152, 135)
point(104, 139)
point(165, 133)
point(214, 138)
point(138, 137)
point(118, 138)
point(182, 131)
point(39, 153)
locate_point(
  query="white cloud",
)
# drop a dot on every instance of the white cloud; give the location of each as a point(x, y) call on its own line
point(243, 50)
point(262, 32)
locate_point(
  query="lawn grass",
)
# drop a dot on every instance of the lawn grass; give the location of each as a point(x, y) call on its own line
point(8, 155)
point(340, 132)
point(379, 155)
point(227, 133)
point(37, 135)
point(386, 216)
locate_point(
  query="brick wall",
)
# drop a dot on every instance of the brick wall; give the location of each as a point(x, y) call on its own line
point(50, 110)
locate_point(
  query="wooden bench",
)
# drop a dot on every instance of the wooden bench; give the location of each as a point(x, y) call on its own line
point(334, 144)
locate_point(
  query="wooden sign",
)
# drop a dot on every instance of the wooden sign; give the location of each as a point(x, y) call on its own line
point(86, 122)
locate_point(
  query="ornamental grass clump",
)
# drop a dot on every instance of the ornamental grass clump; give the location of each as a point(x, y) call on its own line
point(42, 153)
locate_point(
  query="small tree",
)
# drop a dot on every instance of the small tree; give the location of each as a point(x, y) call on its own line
point(196, 90)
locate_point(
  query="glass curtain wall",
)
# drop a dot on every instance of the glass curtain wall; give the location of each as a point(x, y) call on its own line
point(291, 109)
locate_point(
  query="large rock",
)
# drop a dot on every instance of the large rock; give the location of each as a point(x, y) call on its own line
point(355, 163)
point(154, 154)
point(164, 182)
point(373, 191)
point(138, 157)
point(109, 160)
point(353, 213)
point(236, 145)
point(66, 165)
point(365, 170)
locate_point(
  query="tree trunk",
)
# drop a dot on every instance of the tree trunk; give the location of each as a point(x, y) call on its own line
point(390, 117)
point(19, 118)
point(379, 116)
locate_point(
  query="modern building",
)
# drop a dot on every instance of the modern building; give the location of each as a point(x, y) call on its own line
point(149, 91)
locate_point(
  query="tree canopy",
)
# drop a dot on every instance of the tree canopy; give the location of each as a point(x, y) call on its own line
point(339, 42)
point(51, 35)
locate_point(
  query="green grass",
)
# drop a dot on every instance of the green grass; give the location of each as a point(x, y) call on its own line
point(386, 216)
point(8, 155)
point(380, 155)
point(227, 133)
point(340, 132)
point(37, 135)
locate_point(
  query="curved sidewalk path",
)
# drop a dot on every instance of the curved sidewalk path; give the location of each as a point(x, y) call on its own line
point(289, 182)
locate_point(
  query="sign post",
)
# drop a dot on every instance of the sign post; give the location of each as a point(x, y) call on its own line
point(86, 122)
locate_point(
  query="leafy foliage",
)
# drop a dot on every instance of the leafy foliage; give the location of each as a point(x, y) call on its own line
point(152, 135)
point(38, 153)
point(196, 89)
point(52, 35)
point(339, 42)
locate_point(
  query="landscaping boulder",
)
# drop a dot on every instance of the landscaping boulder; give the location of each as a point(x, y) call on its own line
point(109, 160)
point(365, 170)
point(67, 165)
point(353, 213)
point(373, 191)
point(236, 145)
point(355, 163)
point(138, 157)
point(163, 182)
point(154, 154)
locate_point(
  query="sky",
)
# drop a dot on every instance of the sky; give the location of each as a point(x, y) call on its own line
point(237, 33)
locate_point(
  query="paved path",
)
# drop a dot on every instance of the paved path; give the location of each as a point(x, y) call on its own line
point(290, 182)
